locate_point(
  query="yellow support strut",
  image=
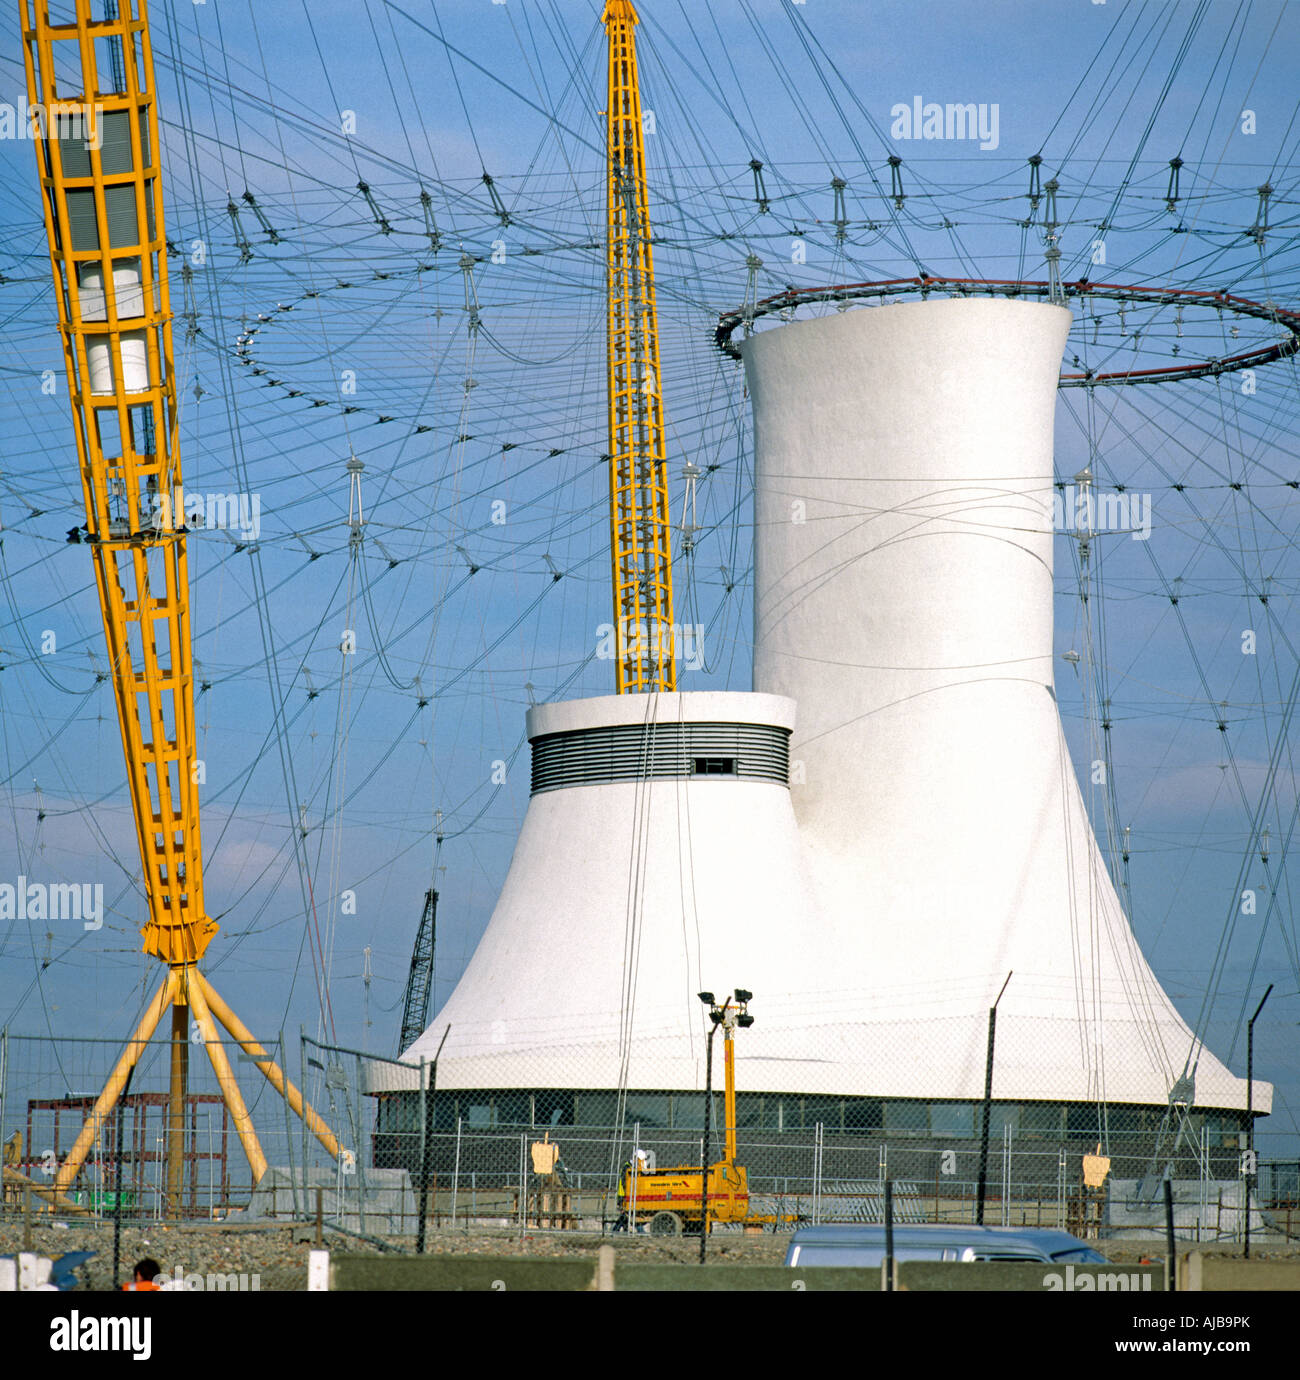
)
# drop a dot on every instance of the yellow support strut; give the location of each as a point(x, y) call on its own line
point(116, 1081)
point(269, 1067)
point(729, 1102)
point(226, 1079)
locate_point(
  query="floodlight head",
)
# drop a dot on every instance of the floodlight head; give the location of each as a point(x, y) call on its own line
point(742, 996)
point(706, 997)
point(744, 1021)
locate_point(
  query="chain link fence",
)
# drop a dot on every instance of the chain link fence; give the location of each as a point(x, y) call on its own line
point(490, 1177)
point(408, 1152)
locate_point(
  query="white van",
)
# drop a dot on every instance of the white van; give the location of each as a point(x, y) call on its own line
point(863, 1245)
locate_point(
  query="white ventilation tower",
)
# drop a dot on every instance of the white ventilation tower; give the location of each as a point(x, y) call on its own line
point(932, 837)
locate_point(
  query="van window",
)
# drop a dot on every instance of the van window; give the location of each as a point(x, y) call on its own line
point(1083, 1255)
point(862, 1256)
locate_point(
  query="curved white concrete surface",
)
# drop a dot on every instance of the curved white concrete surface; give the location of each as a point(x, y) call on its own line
point(934, 836)
point(903, 597)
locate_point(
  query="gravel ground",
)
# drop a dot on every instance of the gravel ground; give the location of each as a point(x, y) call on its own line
point(270, 1254)
point(279, 1262)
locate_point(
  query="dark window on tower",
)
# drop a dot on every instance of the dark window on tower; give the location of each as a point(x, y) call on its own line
point(512, 1108)
point(862, 1114)
point(553, 1108)
point(714, 766)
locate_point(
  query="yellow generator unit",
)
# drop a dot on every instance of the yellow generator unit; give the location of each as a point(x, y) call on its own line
point(668, 1201)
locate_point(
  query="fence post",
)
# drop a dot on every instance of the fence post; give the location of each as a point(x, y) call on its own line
point(523, 1184)
point(455, 1180)
point(1060, 1188)
point(1205, 1172)
point(361, 1154)
point(422, 1194)
point(1171, 1259)
point(288, 1147)
point(889, 1235)
point(4, 1081)
point(314, 1101)
point(636, 1176)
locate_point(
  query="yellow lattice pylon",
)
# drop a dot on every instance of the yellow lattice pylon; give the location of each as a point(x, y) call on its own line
point(97, 147)
point(640, 528)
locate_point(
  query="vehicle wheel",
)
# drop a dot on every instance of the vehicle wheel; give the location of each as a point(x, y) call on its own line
point(665, 1224)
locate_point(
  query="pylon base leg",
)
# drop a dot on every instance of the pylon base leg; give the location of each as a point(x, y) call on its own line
point(180, 1052)
point(230, 1093)
point(269, 1068)
point(116, 1081)
point(190, 995)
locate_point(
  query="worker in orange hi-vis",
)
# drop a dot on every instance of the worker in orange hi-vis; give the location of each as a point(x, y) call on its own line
point(143, 1276)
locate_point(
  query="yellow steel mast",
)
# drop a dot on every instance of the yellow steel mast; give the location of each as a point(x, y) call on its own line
point(640, 532)
point(97, 152)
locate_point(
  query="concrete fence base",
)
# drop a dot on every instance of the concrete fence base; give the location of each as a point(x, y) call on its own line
point(603, 1272)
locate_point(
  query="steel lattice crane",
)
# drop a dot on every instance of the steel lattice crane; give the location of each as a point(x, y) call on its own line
point(99, 161)
point(640, 530)
point(419, 981)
